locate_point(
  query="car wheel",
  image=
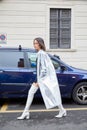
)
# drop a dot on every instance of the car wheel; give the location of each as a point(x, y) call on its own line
point(80, 93)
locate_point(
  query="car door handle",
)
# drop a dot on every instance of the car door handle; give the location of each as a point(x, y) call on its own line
point(1, 71)
point(34, 72)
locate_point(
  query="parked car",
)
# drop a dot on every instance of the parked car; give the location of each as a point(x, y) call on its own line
point(18, 72)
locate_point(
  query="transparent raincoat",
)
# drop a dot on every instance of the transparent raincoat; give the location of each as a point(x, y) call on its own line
point(47, 80)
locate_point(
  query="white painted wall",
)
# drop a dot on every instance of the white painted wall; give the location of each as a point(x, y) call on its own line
point(23, 20)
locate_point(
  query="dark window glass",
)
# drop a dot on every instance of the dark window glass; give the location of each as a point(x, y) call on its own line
point(56, 64)
point(11, 59)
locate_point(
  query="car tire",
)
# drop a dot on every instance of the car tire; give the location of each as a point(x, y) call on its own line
point(80, 93)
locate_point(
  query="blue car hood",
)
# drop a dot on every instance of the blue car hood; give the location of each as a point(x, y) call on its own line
point(82, 71)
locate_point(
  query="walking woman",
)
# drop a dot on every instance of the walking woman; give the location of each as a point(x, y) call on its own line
point(46, 81)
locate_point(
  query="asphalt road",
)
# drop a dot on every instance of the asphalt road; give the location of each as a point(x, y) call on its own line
point(41, 119)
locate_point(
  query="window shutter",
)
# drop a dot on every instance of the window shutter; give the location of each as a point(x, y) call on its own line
point(60, 28)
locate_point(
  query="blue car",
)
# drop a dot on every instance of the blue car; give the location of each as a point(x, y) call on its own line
point(18, 72)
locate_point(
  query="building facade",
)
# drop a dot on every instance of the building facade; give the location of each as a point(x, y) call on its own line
point(62, 24)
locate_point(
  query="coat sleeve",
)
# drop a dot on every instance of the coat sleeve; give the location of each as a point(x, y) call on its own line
point(43, 71)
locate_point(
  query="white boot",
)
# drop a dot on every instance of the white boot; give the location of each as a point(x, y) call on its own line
point(26, 114)
point(62, 112)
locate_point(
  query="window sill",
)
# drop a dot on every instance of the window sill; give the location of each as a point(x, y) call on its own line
point(61, 50)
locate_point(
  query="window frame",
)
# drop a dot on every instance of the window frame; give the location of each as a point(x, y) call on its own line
point(73, 45)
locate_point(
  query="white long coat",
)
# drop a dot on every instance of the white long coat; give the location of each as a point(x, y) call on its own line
point(47, 80)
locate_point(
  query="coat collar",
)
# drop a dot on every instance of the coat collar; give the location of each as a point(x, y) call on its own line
point(40, 51)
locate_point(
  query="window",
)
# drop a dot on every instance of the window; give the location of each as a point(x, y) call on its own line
point(11, 59)
point(56, 64)
point(32, 59)
point(60, 28)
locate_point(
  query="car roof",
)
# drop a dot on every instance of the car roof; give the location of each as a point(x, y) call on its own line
point(17, 49)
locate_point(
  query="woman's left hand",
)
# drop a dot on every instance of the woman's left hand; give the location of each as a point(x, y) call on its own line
point(36, 84)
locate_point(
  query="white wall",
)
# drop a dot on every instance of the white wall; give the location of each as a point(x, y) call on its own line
point(23, 20)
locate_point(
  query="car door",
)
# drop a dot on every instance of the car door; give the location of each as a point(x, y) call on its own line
point(62, 77)
point(15, 76)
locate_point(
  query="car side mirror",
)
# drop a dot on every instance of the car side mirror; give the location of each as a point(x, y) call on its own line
point(63, 68)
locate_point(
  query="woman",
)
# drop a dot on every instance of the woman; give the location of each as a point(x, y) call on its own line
point(46, 81)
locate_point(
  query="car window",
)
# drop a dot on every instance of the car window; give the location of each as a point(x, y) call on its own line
point(56, 64)
point(32, 59)
point(11, 59)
